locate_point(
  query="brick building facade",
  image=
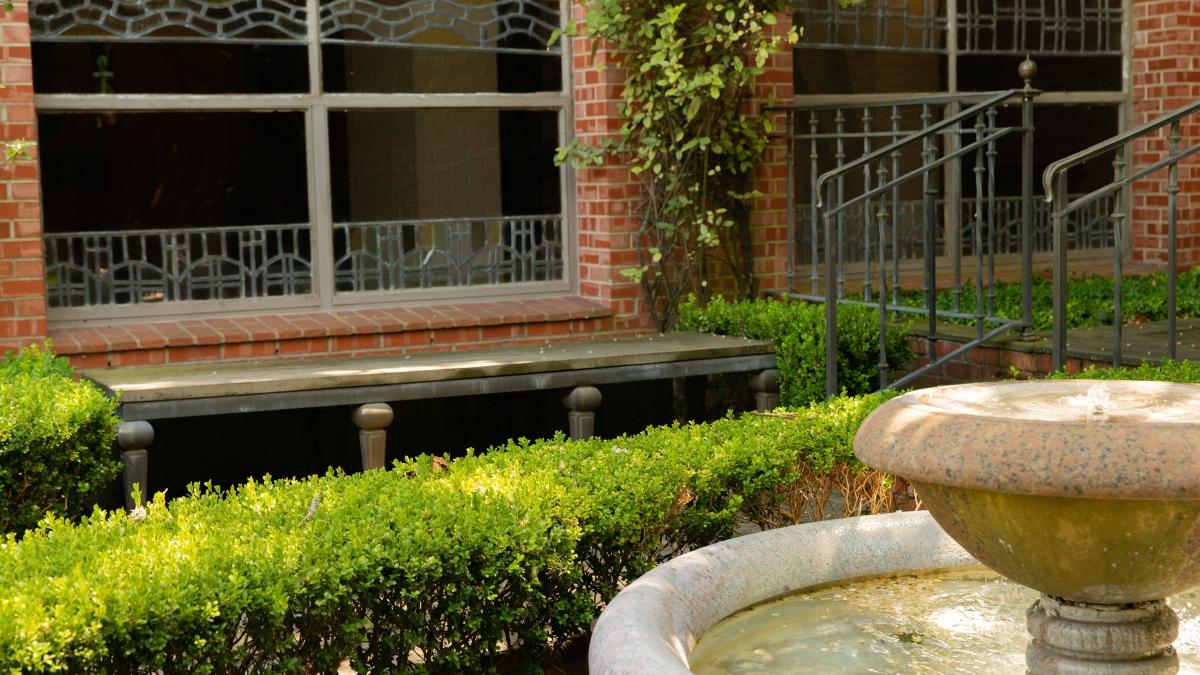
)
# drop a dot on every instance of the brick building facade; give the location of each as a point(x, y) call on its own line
point(593, 300)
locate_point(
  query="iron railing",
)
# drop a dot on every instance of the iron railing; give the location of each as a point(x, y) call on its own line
point(1128, 167)
point(937, 157)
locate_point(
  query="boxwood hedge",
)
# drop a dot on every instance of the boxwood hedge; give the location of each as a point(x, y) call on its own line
point(429, 566)
point(798, 330)
point(56, 437)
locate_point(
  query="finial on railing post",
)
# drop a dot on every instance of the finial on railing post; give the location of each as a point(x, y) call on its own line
point(1027, 70)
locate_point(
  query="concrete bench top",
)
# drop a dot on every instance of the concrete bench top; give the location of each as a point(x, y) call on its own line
point(149, 392)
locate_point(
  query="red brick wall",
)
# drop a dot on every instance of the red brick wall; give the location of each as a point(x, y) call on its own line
point(22, 292)
point(1166, 76)
point(606, 196)
point(769, 219)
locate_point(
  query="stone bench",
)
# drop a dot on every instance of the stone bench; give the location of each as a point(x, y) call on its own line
point(217, 388)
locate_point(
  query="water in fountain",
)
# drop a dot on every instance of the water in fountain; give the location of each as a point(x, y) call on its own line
point(970, 621)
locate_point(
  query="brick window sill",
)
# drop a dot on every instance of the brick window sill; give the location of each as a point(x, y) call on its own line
point(445, 327)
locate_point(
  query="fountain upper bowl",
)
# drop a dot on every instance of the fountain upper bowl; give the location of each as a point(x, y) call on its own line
point(1080, 489)
point(1064, 438)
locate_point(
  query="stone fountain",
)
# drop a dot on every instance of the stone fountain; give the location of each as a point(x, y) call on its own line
point(1087, 492)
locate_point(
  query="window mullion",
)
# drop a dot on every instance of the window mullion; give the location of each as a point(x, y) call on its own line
point(320, 207)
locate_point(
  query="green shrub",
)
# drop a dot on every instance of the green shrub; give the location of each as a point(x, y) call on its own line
point(429, 566)
point(1089, 300)
point(56, 438)
point(798, 330)
point(1187, 372)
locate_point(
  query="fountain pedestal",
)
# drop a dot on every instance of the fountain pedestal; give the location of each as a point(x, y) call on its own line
point(1088, 492)
point(1076, 637)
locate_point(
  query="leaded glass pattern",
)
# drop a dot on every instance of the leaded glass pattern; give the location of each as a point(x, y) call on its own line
point(1080, 27)
point(253, 20)
point(1018, 27)
point(493, 25)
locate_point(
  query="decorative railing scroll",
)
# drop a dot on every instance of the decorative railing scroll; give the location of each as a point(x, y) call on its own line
point(395, 255)
point(135, 267)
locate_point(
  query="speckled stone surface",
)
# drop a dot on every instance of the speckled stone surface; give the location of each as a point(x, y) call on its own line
point(652, 626)
point(1043, 438)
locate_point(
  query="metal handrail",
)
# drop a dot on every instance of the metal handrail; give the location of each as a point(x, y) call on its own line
point(834, 101)
point(1057, 168)
point(1054, 182)
point(912, 137)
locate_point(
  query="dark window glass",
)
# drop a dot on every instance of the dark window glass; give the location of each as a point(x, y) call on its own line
point(437, 198)
point(400, 164)
point(394, 69)
point(168, 68)
point(989, 72)
point(845, 71)
point(103, 171)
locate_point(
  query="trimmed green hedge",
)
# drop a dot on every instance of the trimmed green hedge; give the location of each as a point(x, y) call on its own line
point(1187, 372)
point(427, 566)
point(798, 330)
point(56, 438)
point(1089, 300)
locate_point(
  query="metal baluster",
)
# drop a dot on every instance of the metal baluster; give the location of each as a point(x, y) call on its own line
point(814, 172)
point(896, 204)
point(831, 263)
point(1058, 353)
point(840, 126)
point(1027, 70)
point(928, 155)
point(991, 223)
point(883, 319)
point(792, 248)
point(979, 169)
point(1172, 206)
point(1118, 218)
point(867, 206)
point(954, 207)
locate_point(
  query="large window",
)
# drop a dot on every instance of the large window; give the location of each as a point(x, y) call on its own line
point(208, 155)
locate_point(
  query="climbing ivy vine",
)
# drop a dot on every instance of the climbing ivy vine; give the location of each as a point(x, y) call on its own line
point(689, 132)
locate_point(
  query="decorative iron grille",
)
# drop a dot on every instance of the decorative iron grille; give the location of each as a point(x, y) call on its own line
point(398, 255)
point(150, 266)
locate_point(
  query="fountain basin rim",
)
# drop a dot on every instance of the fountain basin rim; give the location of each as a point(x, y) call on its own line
point(1124, 457)
point(653, 625)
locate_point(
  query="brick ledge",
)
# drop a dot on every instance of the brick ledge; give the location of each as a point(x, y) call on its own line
point(454, 326)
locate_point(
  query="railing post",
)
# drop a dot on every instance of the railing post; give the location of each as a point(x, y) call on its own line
point(1027, 70)
point(815, 169)
point(882, 216)
point(978, 215)
point(792, 241)
point(928, 153)
point(1058, 352)
point(831, 295)
point(839, 122)
point(1118, 220)
point(867, 216)
point(1172, 231)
